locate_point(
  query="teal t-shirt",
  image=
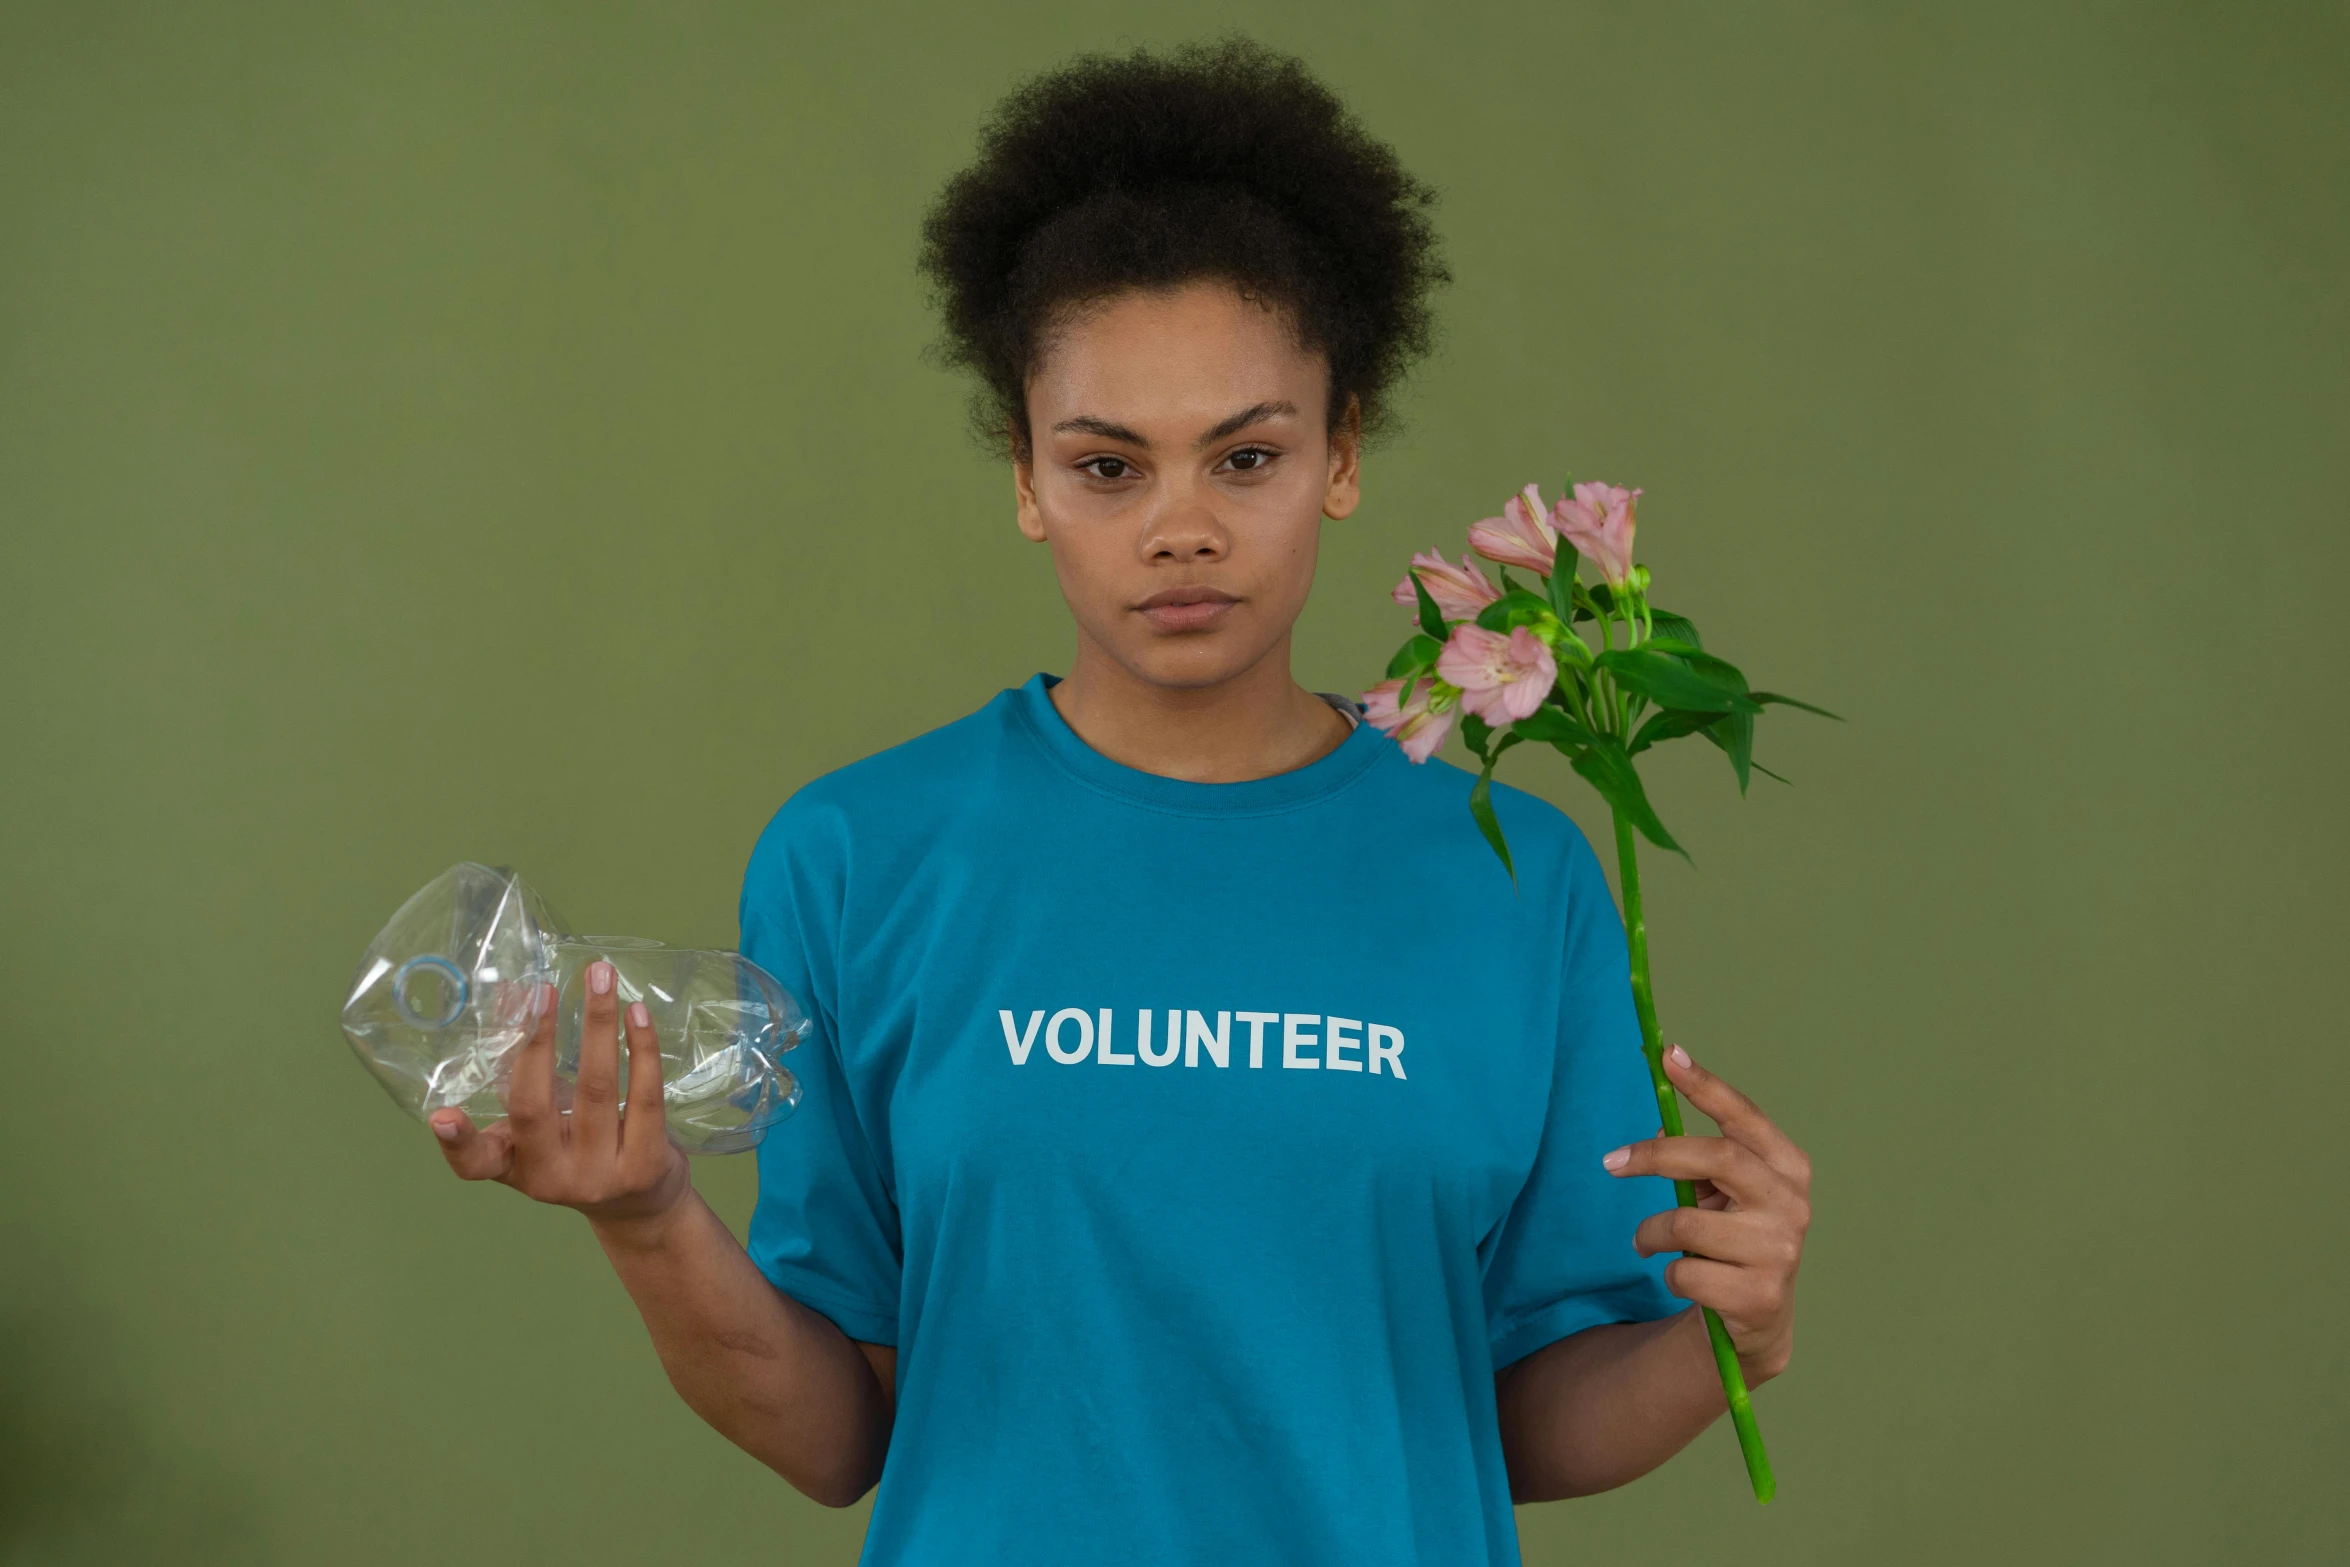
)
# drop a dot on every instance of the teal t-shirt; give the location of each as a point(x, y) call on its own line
point(1203, 1148)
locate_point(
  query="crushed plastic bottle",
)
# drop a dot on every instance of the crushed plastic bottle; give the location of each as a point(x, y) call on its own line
point(450, 991)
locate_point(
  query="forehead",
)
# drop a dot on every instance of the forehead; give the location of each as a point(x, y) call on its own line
point(1189, 353)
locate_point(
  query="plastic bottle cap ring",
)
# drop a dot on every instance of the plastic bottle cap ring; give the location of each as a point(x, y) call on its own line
point(446, 984)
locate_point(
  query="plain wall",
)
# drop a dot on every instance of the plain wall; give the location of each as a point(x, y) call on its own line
point(501, 431)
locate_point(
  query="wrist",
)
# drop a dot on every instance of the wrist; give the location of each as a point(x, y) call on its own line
point(1758, 1361)
point(646, 1226)
point(1764, 1365)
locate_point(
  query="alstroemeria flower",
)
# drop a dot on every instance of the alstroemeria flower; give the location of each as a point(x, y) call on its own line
point(1503, 678)
point(1459, 591)
point(1414, 727)
point(1598, 521)
point(1521, 536)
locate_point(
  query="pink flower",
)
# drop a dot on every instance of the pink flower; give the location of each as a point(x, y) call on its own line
point(1459, 591)
point(1415, 728)
point(1521, 536)
point(1599, 522)
point(1502, 678)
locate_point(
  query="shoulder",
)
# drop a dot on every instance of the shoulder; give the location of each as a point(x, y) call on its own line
point(1546, 829)
point(906, 788)
point(1544, 841)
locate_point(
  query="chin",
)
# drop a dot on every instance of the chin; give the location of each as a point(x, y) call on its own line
point(1192, 663)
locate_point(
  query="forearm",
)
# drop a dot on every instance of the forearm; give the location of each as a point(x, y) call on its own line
point(778, 1380)
point(1605, 1406)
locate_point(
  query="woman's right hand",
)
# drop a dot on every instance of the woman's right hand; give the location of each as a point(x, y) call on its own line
point(619, 1169)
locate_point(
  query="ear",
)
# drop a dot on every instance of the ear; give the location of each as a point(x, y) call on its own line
point(1030, 515)
point(1344, 491)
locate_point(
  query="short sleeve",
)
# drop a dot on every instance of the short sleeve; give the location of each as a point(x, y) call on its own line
point(1562, 1260)
point(825, 1230)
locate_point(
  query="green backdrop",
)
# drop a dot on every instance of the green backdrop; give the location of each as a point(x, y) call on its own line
point(501, 431)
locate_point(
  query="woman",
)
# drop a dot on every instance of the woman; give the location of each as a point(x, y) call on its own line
point(1207, 1156)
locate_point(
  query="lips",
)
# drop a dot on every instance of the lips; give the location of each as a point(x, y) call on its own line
point(1186, 609)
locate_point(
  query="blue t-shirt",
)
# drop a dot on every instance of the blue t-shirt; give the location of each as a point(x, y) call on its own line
point(1203, 1148)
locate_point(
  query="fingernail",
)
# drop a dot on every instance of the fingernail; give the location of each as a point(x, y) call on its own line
point(638, 1017)
point(1680, 1056)
point(1618, 1159)
point(600, 977)
point(446, 1131)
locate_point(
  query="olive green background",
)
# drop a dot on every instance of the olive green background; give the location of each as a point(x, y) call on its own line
point(501, 431)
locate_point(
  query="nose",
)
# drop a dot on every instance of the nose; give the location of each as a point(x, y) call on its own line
point(1183, 531)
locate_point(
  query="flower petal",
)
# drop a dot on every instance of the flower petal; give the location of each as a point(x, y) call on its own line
point(1472, 658)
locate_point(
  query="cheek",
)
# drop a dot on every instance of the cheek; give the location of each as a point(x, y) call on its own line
point(1290, 528)
point(1084, 514)
point(1090, 557)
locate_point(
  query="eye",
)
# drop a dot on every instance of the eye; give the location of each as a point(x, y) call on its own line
point(1106, 467)
point(1249, 459)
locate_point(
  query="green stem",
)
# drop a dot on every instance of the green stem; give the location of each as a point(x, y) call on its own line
point(1668, 1105)
point(1571, 688)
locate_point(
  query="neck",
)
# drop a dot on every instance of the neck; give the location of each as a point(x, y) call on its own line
point(1258, 723)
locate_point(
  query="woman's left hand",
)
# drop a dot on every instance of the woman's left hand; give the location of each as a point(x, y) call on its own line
point(1744, 1240)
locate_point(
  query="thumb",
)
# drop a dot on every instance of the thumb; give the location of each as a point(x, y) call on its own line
point(475, 1155)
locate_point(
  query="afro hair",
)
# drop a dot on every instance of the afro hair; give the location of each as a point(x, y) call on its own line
point(1224, 161)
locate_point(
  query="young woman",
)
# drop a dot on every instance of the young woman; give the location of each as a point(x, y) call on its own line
point(1207, 1155)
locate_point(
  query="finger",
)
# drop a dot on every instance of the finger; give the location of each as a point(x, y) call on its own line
point(1743, 1295)
point(530, 1095)
point(485, 1154)
point(1740, 1119)
point(1749, 1240)
point(595, 1096)
point(646, 1127)
point(1736, 1170)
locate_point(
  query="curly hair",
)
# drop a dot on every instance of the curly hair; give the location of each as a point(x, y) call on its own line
point(1222, 160)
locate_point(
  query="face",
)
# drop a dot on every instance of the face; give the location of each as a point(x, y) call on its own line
point(1181, 466)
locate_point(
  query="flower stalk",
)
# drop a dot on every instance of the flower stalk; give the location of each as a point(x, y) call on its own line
point(1668, 1105)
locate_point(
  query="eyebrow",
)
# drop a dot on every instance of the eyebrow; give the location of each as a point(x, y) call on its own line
point(1111, 430)
point(1243, 419)
point(1108, 430)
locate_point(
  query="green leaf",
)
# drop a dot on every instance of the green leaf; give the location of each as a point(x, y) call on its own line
point(1606, 768)
point(1476, 734)
point(1767, 773)
point(1788, 701)
point(1720, 671)
point(1549, 726)
point(1414, 657)
point(1678, 627)
point(1669, 723)
point(1431, 618)
point(1734, 733)
point(1403, 698)
point(1481, 807)
point(1509, 584)
point(1669, 680)
point(1513, 609)
point(1562, 584)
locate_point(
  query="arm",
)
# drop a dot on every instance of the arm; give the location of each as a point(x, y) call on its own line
point(1604, 1406)
point(778, 1380)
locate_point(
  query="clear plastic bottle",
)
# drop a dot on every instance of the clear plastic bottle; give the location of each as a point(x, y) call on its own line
point(451, 988)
